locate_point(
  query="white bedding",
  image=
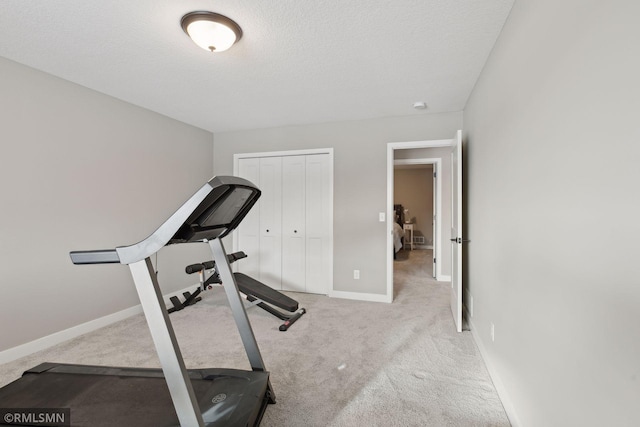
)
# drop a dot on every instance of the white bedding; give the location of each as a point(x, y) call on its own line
point(398, 233)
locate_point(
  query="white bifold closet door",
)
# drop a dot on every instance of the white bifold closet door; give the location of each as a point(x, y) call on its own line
point(293, 223)
point(270, 259)
point(318, 224)
point(286, 235)
point(249, 231)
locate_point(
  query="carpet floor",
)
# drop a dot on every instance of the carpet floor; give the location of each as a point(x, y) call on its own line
point(344, 363)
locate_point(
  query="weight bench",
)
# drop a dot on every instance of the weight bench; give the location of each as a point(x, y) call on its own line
point(259, 294)
point(192, 298)
point(255, 292)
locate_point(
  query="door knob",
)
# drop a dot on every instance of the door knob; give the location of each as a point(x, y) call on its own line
point(460, 240)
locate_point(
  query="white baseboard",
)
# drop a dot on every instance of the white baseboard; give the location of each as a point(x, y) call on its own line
point(67, 334)
point(361, 296)
point(443, 278)
point(420, 246)
point(497, 382)
point(43, 343)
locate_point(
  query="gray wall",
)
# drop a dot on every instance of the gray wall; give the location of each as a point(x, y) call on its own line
point(553, 258)
point(81, 170)
point(360, 156)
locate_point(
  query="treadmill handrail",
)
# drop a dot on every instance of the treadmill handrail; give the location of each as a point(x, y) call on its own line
point(160, 237)
point(101, 256)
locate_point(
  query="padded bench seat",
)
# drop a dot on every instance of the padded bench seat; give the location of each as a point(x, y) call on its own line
point(250, 286)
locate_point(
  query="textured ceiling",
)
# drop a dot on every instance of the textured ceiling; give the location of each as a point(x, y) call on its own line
point(299, 61)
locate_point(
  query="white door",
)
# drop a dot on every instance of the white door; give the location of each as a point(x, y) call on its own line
point(318, 224)
point(288, 235)
point(433, 221)
point(293, 223)
point(271, 222)
point(249, 231)
point(456, 230)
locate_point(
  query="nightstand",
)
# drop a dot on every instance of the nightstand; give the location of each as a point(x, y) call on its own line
point(408, 227)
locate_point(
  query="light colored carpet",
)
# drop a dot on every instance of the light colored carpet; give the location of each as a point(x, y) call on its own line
point(344, 363)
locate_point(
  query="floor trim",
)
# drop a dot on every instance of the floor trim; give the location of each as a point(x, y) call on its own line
point(509, 408)
point(45, 342)
point(360, 296)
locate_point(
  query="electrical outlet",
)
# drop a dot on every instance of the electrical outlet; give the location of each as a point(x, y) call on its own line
point(493, 332)
point(356, 274)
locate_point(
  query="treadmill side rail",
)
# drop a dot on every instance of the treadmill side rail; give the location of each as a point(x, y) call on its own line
point(105, 256)
point(164, 338)
point(237, 307)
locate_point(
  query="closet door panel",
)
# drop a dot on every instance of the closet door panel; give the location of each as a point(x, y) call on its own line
point(271, 221)
point(317, 203)
point(293, 223)
point(249, 230)
point(316, 269)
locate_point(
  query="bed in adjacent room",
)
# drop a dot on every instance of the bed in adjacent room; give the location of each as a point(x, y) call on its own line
point(398, 231)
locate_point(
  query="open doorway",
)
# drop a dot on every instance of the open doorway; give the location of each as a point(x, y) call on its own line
point(417, 198)
point(437, 155)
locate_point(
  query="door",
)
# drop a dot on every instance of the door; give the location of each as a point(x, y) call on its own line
point(271, 221)
point(456, 230)
point(293, 223)
point(318, 224)
point(434, 205)
point(288, 236)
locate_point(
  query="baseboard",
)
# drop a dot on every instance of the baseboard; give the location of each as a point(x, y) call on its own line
point(43, 343)
point(495, 377)
point(443, 278)
point(422, 247)
point(65, 335)
point(361, 296)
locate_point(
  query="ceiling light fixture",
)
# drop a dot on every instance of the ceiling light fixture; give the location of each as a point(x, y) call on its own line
point(211, 31)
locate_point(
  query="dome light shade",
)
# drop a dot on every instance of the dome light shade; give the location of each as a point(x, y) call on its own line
point(211, 31)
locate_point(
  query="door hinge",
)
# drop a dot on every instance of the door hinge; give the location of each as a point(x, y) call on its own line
point(434, 175)
point(434, 260)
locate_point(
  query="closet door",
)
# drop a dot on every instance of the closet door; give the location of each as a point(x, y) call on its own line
point(271, 221)
point(318, 212)
point(293, 223)
point(249, 230)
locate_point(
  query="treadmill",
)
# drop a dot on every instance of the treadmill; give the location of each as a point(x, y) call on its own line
point(173, 395)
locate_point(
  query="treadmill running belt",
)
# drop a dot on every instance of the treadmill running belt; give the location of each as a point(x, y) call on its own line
point(104, 396)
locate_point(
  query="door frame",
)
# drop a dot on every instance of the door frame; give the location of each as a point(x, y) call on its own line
point(437, 206)
point(391, 147)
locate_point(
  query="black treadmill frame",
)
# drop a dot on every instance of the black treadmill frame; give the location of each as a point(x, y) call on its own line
point(190, 223)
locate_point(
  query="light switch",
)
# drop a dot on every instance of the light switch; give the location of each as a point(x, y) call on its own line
point(382, 216)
